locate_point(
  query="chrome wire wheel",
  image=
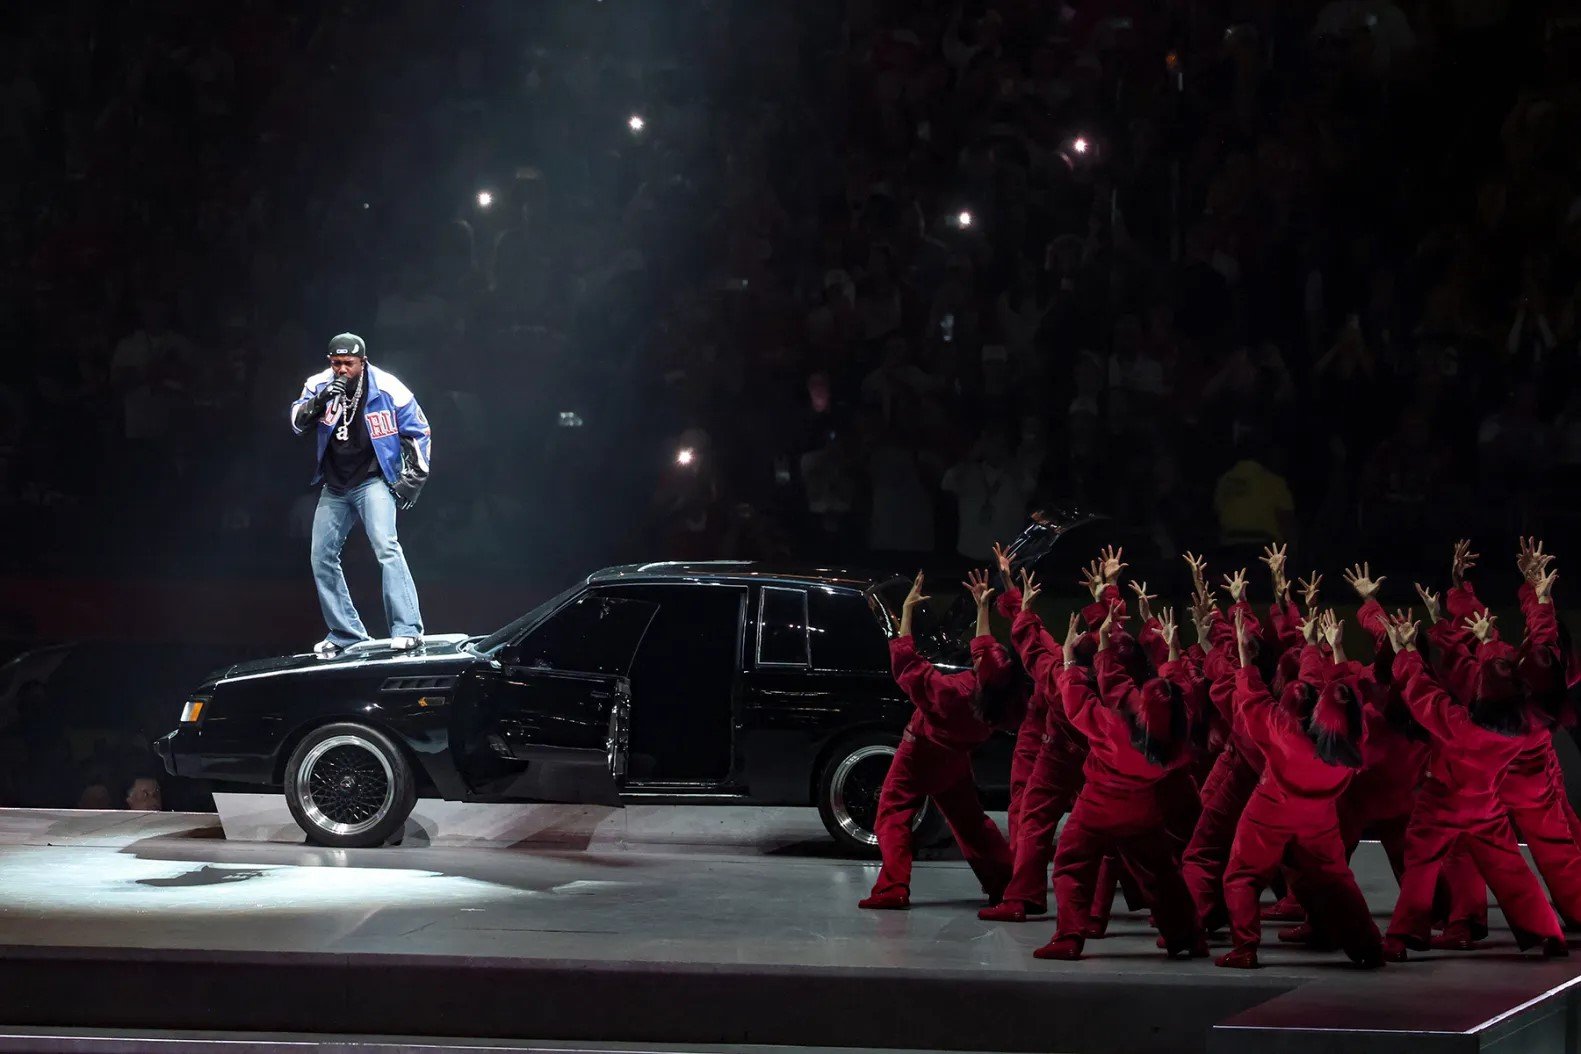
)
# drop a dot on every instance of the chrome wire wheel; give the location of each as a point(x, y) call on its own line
point(854, 790)
point(345, 785)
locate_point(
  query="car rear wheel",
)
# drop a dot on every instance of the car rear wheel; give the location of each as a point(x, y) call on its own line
point(848, 789)
point(349, 786)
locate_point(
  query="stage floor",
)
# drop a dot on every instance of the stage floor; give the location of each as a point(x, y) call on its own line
point(659, 947)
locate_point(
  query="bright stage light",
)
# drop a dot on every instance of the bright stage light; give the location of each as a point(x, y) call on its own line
point(636, 123)
point(1080, 145)
point(485, 199)
point(964, 219)
point(685, 456)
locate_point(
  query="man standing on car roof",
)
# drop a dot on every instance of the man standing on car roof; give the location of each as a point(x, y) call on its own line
point(373, 450)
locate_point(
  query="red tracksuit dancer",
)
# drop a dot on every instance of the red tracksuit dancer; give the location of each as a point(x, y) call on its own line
point(1311, 742)
point(1136, 737)
point(1055, 777)
point(1231, 782)
point(1532, 790)
point(1460, 806)
point(934, 759)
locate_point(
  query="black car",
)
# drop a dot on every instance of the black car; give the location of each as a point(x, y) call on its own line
point(669, 683)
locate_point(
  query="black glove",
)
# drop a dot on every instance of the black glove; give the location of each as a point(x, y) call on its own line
point(405, 492)
point(337, 387)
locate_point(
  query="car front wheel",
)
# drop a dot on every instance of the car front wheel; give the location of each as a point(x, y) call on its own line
point(349, 786)
point(848, 789)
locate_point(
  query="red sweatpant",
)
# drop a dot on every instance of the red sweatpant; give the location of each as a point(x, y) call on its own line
point(923, 770)
point(1534, 793)
point(1229, 786)
point(1269, 834)
point(1051, 789)
point(1131, 827)
point(1029, 744)
point(1439, 825)
point(1182, 806)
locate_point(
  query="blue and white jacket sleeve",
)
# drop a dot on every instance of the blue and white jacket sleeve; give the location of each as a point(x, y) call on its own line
point(307, 409)
point(416, 448)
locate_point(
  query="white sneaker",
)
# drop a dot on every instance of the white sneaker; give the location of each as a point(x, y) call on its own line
point(326, 649)
point(405, 643)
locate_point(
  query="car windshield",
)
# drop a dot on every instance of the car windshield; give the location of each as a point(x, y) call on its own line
point(505, 634)
point(938, 626)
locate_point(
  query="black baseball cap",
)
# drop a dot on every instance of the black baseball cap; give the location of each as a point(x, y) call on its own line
point(348, 344)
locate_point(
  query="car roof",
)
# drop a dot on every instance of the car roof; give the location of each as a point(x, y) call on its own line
point(742, 571)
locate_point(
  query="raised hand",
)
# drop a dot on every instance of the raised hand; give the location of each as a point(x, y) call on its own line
point(1333, 629)
point(1002, 557)
point(1092, 578)
point(1072, 637)
point(1235, 585)
point(1311, 626)
point(1463, 561)
point(1104, 627)
point(1481, 625)
point(1168, 628)
point(1431, 600)
point(1402, 631)
point(1240, 634)
point(977, 584)
point(1544, 587)
point(1360, 579)
point(1532, 561)
point(1112, 564)
point(1274, 557)
point(1309, 590)
point(1199, 571)
point(1029, 590)
point(1144, 600)
point(915, 597)
point(1202, 615)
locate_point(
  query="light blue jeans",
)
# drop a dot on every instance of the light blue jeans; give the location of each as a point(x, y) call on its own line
point(374, 505)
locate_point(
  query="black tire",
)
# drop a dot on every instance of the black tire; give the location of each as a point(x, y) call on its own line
point(848, 788)
point(349, 786)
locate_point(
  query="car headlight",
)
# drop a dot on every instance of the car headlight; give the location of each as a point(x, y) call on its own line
point(192, 712)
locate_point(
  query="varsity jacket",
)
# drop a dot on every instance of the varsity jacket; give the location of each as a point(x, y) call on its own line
point(396, 424)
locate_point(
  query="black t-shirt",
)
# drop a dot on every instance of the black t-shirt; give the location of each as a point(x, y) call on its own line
point(349, 463)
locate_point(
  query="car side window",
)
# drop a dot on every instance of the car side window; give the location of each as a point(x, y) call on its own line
point(846, 633)
point(782, 627)
point(592, 634)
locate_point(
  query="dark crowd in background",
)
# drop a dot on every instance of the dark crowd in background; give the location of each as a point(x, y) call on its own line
point(894, 272)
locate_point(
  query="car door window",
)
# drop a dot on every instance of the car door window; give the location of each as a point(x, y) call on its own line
point(592, 634)
point(846, 633)
point(782, 627)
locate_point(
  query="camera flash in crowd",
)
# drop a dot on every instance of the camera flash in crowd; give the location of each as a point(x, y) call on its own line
point(485, 199)
point(963, 219)
point(685, 456)
point(636, 123)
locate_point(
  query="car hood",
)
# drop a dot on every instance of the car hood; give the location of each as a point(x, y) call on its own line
point(360, 656)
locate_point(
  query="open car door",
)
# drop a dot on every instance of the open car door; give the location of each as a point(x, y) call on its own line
point(552, 720)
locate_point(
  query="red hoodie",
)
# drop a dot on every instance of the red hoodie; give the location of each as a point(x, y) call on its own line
point(1113, 764)
point(1044, 659)
point(1470, 760)
point(944, 700)
point(1296, 777)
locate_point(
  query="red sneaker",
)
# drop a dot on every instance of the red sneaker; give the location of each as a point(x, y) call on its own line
point(1393, 950)
point(1004, 911)
point(885, 902)
point(1067, 949)
point(1286, 909)
point(1455, 938)
point(1296, 934)
point(1238, 959)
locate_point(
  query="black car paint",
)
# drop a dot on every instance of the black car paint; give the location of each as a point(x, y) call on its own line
point(785, 719)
